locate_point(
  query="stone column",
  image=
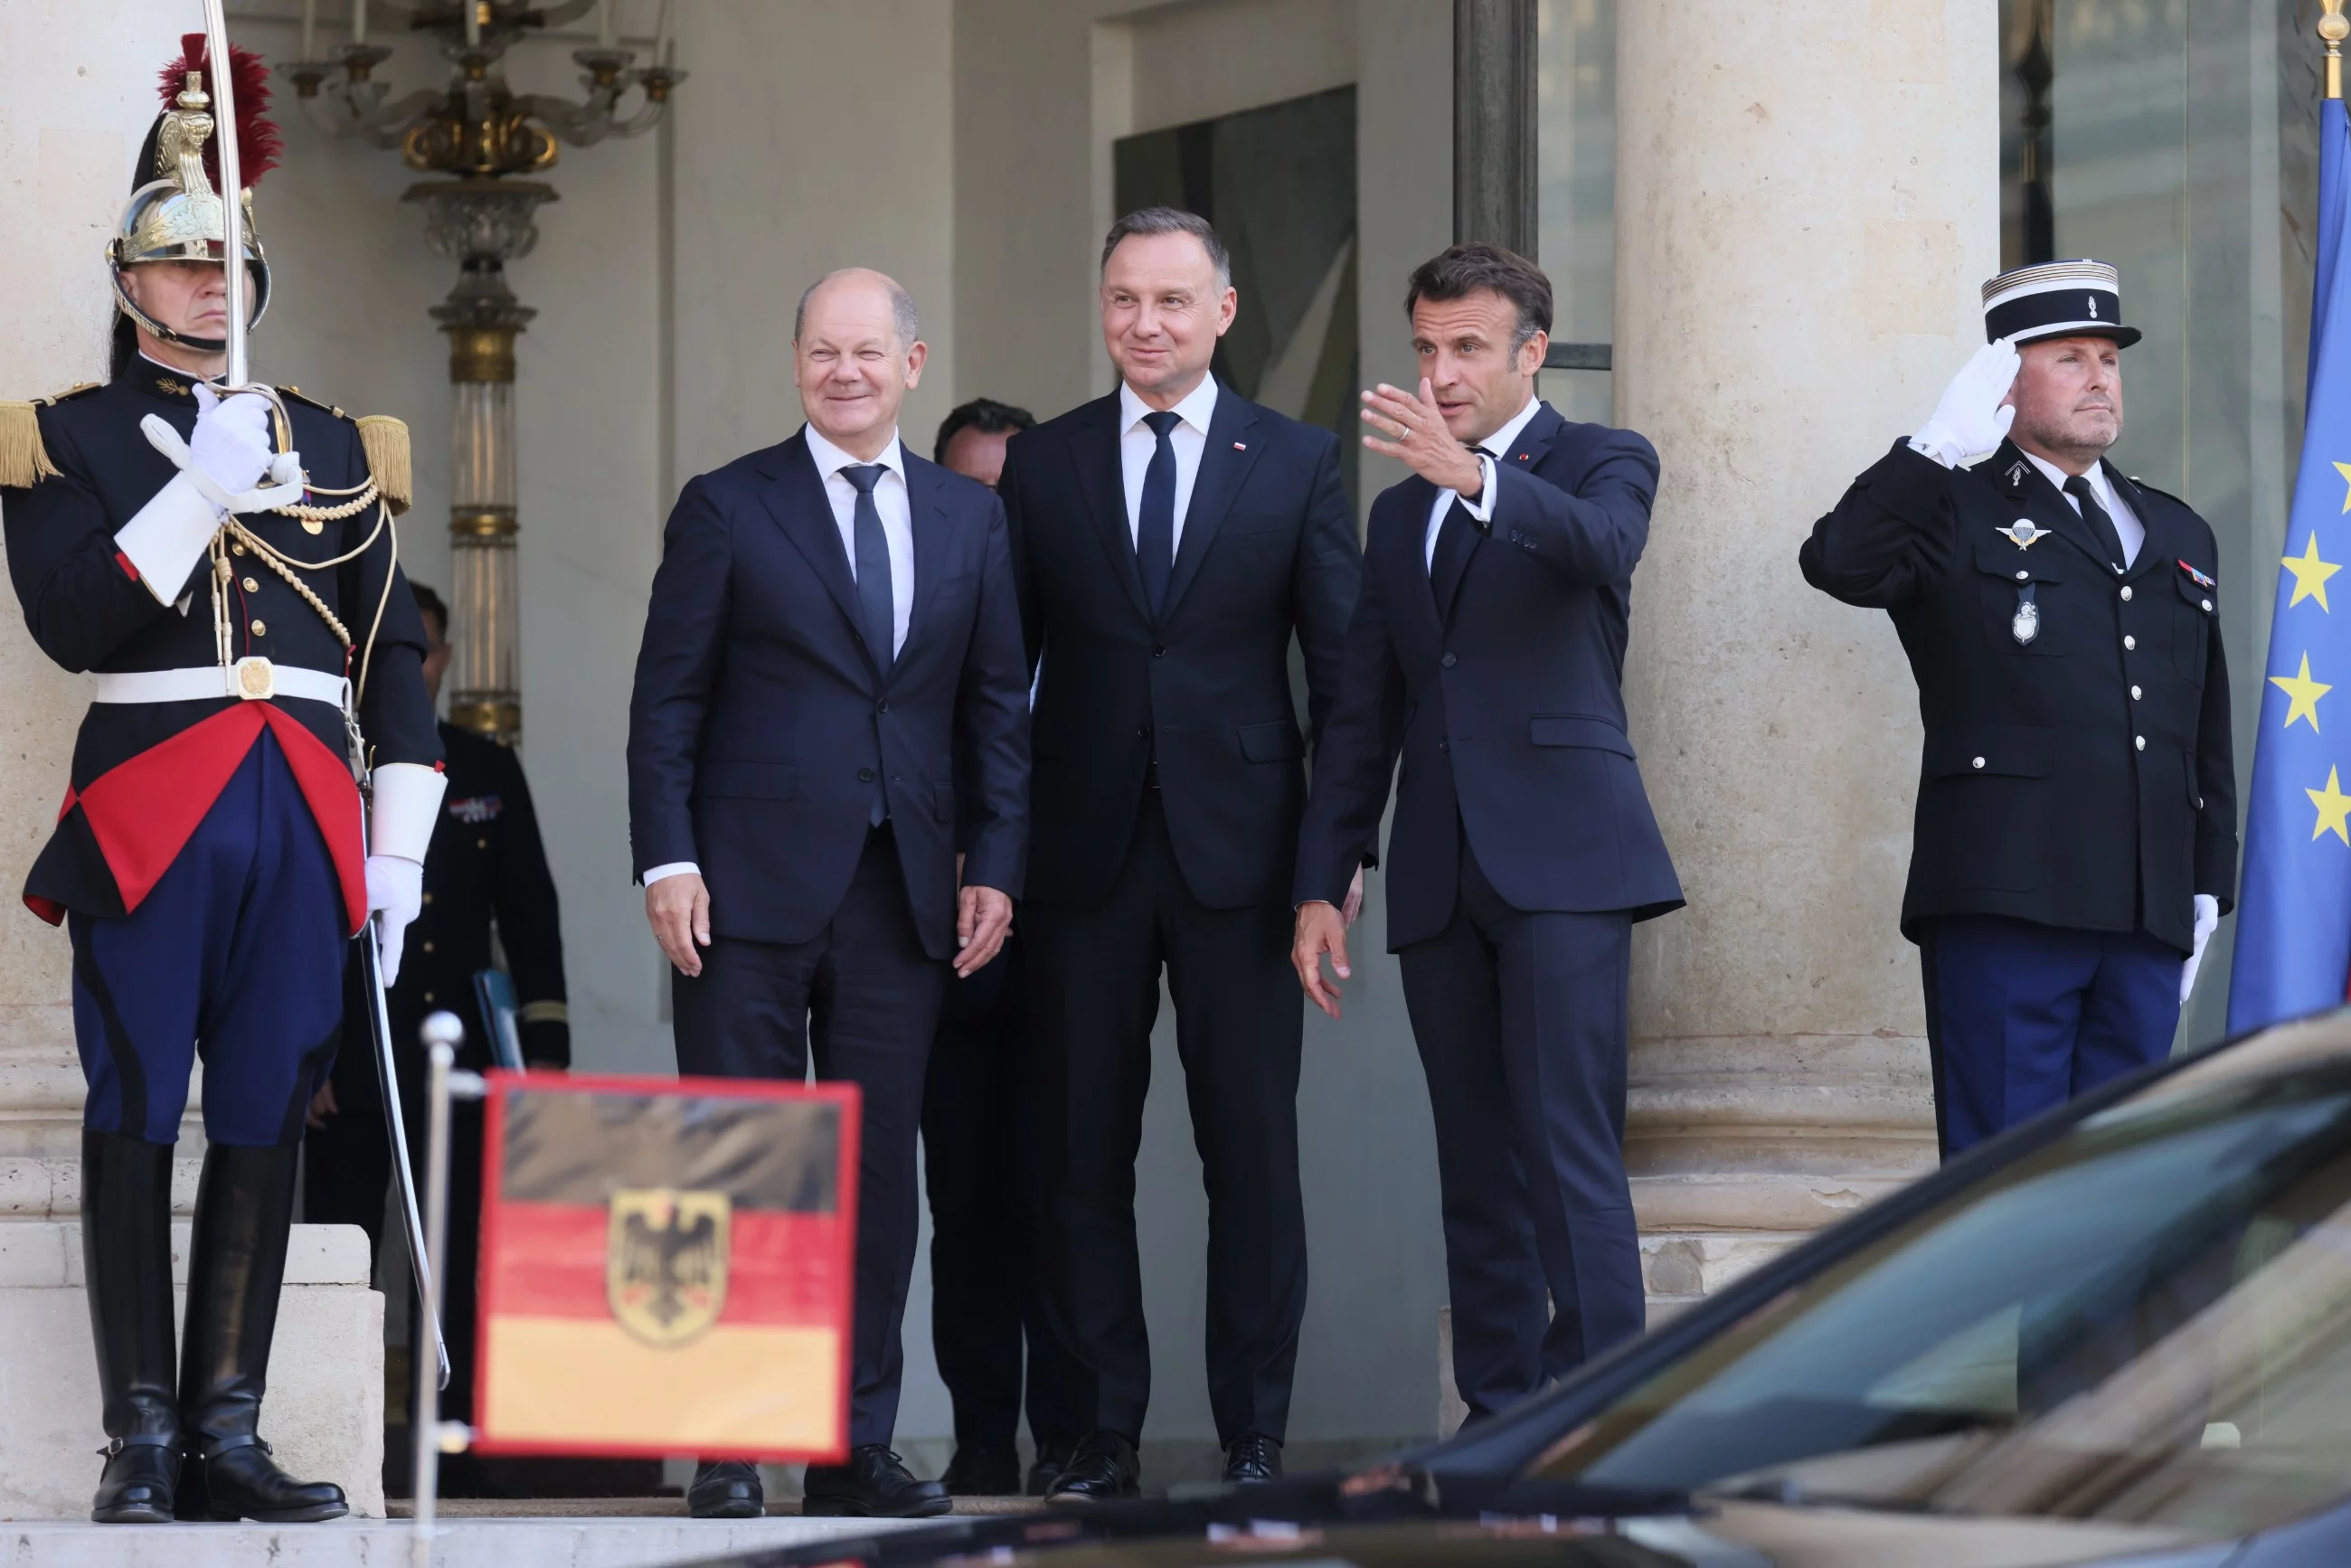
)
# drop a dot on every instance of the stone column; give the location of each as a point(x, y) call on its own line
point(78, 84)
point(1807, 199)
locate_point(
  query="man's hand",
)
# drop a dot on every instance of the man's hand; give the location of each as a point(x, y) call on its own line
point(322, 1105)
point(1352, 909)
point(678, 909)
point(1415, 432)
point(2208, 920)
point(1975, 413)
point(982, 920)
point(1320, 930)
point(231, 443)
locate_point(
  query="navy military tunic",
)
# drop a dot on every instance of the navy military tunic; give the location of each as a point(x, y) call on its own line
point(2081, 779)
point(208, 852)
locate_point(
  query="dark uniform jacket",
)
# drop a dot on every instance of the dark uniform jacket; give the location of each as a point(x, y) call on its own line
point(1506, 703)
point(2081, 779)
point(1202, 689)
point(486, 866)
point(145, 773)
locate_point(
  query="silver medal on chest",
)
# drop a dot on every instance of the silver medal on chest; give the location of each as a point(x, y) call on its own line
point(2026, 625)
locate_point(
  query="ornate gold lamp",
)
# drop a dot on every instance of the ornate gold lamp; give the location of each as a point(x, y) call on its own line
point(482, 137)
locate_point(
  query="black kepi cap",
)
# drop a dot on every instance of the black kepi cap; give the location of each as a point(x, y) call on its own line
point(2057, 299)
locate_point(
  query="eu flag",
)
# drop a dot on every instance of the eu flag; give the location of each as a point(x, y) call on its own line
point(2293, 920)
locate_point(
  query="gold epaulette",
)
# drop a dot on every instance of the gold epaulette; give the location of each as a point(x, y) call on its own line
point(385, 441)
point(24, 460)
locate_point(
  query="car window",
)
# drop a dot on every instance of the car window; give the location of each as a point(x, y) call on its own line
point(2148, 1320)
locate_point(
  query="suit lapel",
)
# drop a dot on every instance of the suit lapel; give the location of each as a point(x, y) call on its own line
point(1416, 494)
point(2159, 548)
point(1531, 445)
point(926, 506)
point(1093, 448)
point(796, 501)
point(1224, 462)
point(2026, 488)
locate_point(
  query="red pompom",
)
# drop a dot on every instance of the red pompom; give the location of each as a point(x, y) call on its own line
point(258, 144)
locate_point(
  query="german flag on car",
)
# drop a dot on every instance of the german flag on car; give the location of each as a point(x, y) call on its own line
point(667, 1267)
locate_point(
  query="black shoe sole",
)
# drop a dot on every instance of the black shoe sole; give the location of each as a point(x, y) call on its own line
point(317, 1514)
point(852, 1508)
point(143, 1513)
point(730, 1511)
point(1092, 1497)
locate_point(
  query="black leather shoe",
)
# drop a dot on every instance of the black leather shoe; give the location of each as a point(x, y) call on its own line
point(126, 1250)
point(236, 1265)
point(725, 1488)
point(1053, 1459)
point(1102, 1466)
point(875, 1484)
point(983, 1469)
point(1252, 1457)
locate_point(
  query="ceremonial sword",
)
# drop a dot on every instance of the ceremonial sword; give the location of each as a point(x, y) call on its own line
point(236, 380)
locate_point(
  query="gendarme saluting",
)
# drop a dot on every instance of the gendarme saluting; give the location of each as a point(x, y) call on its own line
point(2075, 838)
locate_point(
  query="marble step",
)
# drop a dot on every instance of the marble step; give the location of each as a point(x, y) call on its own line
point(568, 1543)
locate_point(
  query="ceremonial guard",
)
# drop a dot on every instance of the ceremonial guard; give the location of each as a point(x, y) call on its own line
point(2076, 839)
point(224, 561)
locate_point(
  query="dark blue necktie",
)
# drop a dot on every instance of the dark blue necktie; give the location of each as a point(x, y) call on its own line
point(1155, 523)
point(873, 564)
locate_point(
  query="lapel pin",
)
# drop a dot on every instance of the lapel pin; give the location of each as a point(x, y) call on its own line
point(2023, 533)
point(1240, 447)
point(2016, 476)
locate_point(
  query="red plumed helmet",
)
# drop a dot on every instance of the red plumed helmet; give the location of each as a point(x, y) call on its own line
point(258, 144)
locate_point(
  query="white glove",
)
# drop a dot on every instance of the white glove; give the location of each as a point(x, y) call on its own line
point(1972, 421)
point(395, 894)
point(2208, 920)
point(232, 440)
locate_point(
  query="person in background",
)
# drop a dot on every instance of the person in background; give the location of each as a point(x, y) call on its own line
point(485, 871)
point(984, 1289)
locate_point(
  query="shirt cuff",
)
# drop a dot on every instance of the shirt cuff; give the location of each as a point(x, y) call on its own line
point(1931, 442)
point(1483, 507)
point(675, 868)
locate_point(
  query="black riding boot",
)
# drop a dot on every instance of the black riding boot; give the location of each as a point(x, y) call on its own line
point(126, 1252)
point(245, 1207)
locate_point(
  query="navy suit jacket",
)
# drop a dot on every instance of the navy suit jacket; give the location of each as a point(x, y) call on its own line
point(760, 725)
point(1268, 550)
point(1506, 704)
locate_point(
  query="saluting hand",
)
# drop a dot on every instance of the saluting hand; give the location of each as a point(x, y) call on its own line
point(1975, 412)
point(1414, 431)
point(678, 909)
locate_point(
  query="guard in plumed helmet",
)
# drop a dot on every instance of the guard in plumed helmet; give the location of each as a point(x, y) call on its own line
point(225, 566)
point(2076, 841)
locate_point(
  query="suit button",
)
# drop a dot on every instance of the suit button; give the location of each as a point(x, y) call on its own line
point(251, 586)
point(1447, 661)
point(881, 708)
point(2208, 605)
point(1142, 732)
point(2139, 741)
point(1978, 763)
point(2024, 577)
point(428, 898)
point(259, 629)
point(2129, 642)
point(1443, 746)
point(428, 996)
point(481, 843)
point(865, 776)
point(2199, 802)
point(1158, 651)
point(2134, 694)
point(2127, 593)
point(428, 947)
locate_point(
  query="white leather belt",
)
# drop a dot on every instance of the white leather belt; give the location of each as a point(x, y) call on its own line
point(253, 679)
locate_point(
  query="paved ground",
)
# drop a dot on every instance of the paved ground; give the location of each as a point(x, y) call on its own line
point(650, 1506)
point(566, 1540)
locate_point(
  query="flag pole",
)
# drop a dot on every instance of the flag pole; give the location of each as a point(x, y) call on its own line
point(2332, 28)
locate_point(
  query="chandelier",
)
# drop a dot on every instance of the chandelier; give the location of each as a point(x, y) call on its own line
point(478, 135)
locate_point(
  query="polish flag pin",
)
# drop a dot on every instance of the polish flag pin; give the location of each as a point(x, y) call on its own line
point(1240, 447)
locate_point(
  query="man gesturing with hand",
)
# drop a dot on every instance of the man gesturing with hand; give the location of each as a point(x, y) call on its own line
point(833, 623)
point(1486, 649)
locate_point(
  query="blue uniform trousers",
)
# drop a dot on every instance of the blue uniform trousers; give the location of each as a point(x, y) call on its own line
point(2020, 1018)
point(237, 957)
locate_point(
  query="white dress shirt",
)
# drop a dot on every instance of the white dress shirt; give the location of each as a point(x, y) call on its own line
point(2128, 527)
point(1495, 446)
point(890, 499)
point(1136, 445)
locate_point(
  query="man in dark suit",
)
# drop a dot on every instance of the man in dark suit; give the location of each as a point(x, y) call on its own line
point(1172, 539)
point(833, 621)
point(1489, 650)
point(985, 1300)
point(2076, 832)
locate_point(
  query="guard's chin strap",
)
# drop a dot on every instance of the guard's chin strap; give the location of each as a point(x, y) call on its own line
point(124, 303)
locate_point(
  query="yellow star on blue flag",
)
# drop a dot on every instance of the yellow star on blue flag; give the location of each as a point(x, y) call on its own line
point(2310, 574)
point(2302, 694)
